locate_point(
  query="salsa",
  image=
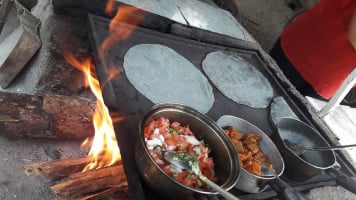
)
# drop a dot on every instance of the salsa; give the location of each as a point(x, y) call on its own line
point(162, 135)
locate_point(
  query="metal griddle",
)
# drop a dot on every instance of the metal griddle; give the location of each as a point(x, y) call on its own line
point(123, 98)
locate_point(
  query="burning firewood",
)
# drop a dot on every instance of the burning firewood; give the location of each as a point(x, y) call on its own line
point(103, 176)
point(57, 169)
point(118, 192)
point(91, 181)
point(92, 184)
point(45, 116)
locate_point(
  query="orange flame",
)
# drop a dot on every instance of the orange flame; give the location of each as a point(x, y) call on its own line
point(125, 14)
point(110, 5)
point(105, 150)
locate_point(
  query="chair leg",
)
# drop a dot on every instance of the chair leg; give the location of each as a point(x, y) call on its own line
point(350, 99)
point(340, 94)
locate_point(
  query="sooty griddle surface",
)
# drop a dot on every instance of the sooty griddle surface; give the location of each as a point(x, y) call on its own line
point(123, 98)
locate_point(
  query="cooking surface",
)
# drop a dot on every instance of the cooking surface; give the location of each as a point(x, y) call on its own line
point(123, 98)
point(195, 14)
point(48, 73)
point(195, 52)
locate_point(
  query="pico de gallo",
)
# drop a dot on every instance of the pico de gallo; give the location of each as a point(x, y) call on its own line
point(161, 135)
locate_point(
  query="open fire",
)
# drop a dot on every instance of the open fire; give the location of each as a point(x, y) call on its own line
point(104, 148)
point(101, 173)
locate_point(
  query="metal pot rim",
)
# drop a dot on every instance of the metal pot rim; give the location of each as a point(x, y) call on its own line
point(201, 117)
point(269, 140)
point(314, 132)
point(259, 183)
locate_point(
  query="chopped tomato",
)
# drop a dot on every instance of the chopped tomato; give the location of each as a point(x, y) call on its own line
point(186, 131)
point(158, 160)
point(168, 171)
point(188, 181)
point(167, 135)
point(209, 174)
point(162, 124)
point(206, 163)
point(190, 148)
point(171, 141)
point(181, 176)
point(149, 129)
point(173, 135)
point(182, 145)
point(175, 126)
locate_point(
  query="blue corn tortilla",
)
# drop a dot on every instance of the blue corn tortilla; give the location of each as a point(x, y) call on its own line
point(237, 79)
point(164, 76)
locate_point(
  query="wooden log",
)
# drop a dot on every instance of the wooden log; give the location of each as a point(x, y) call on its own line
point(120, 192)
point(45, 116)
point(56, 169)
point(72, 168)
point(91, 181)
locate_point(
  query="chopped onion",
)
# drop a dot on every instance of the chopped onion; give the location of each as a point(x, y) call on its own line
point(175, 170)
point(192, 140)
point(171, 148)
point(151, 144)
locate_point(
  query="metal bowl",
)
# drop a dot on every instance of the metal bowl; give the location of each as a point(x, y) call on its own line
point(305, 166)
point(227, 168)
point(249, 182)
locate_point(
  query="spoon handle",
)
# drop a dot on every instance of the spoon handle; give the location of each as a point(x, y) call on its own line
point(217, 188)
point(333, 147)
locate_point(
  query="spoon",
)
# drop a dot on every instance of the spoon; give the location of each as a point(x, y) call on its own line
point(267, 172)
point(187, 161)
point(300, 148)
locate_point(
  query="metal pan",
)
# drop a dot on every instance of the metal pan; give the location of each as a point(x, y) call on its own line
point(307, 165)
point(226, 167)
point(249, 182)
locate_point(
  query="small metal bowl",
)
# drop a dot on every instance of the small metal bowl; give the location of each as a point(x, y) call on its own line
point(227, 168)
point(249, 182)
